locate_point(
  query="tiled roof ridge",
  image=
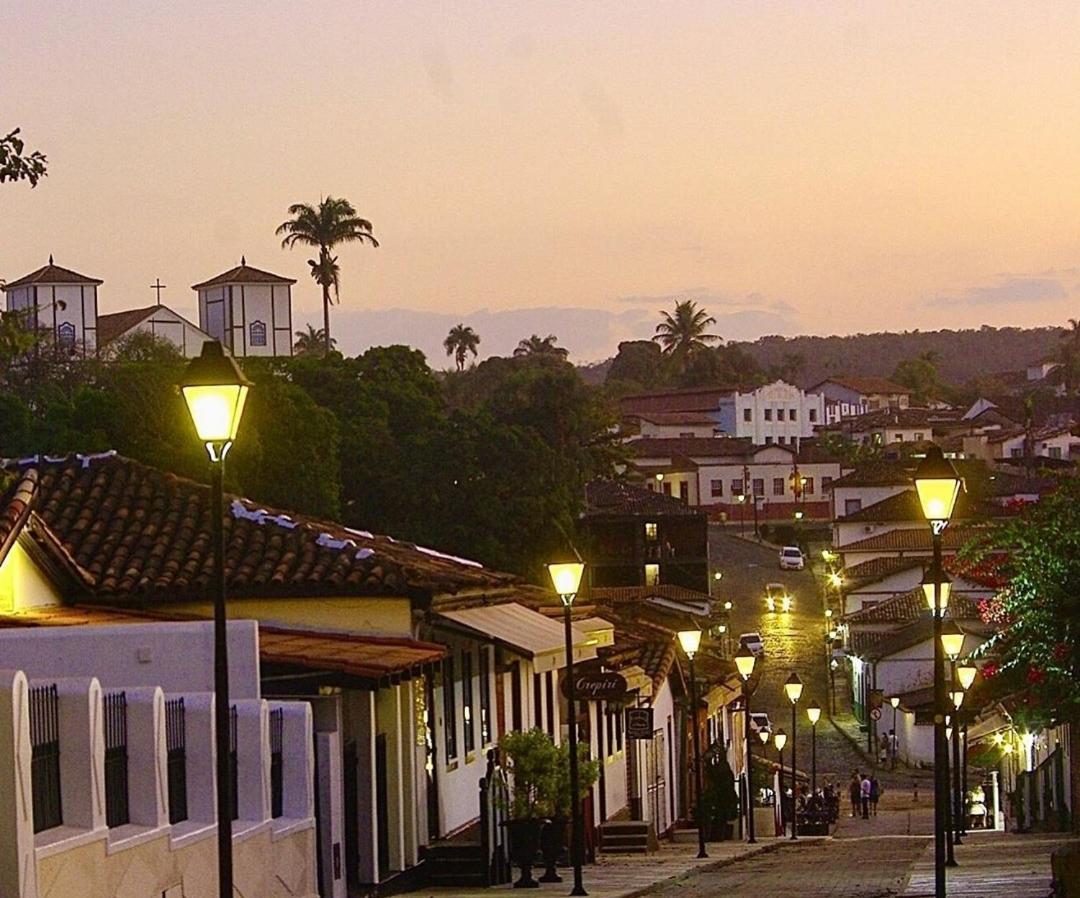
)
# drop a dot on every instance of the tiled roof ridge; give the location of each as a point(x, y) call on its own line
point(17, 506)
point(50, 274)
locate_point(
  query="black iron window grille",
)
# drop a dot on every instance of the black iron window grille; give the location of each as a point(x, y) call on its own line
point(277, 784)
point(176, 754)
point(117, 812)
point(234, 767)
point(45, 757)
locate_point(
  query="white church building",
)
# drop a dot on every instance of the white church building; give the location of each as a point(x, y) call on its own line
point(249, 310)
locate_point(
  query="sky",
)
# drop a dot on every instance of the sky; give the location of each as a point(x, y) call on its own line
point(562, 167)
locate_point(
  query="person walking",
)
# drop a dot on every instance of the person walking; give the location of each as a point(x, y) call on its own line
point(864, 794)
point(883, 750)
point(875, 794)
point(855, 792)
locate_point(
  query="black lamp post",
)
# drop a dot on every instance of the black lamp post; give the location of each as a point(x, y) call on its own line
point(813, 711)
point(215, 391)
point(690, 640)
point(965, 674)
point(744, 663)
point(938, 486)
point(780, 740)
point(566, 579)
point(794, 687)
point(894, 742)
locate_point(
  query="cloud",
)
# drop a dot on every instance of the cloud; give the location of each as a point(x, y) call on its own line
point(712, 300)
point(1010, 289)
point(589, 334)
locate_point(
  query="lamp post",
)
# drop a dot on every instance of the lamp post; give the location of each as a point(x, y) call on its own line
point(938, 485)
point(690, 641)
point(215, 391)
point(965, 673)
point(744, 663)
point(813, 711)
point(741, 498)
point(566, 579)
point(895, 741)
point(794, 687)
point(780, 740)
point(952, 643)
point(833, 665)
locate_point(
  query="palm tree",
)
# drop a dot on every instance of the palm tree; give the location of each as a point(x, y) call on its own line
point(311, 342)
point(1067, 374)
point(684, 331)
point(537, 345)
point(461, 340)
point(324, 226)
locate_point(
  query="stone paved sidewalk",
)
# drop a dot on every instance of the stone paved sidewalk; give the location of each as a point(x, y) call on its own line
point(991, 865)
point(623, 876)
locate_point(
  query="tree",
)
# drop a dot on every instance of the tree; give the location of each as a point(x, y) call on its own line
point(333, 222)
point(461, 340)
point(537, 345)
point(638, 365)
point(312, 342)
point(1038, 612)
point(1067, 374)
point(18, 165)
point(921, 376)
point(684, 332)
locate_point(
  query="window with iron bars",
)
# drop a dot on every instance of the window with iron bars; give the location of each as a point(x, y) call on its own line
point(277, 732)
point(234, 767)
point(45, 758)
point(176, 754)
point(117, 811)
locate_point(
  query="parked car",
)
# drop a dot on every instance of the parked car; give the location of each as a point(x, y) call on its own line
point(776, 595)
point(752, 643)
point(792, 559)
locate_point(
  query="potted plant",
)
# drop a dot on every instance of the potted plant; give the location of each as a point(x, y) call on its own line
point(555, 791)
point(531, 757)
point(719, 803)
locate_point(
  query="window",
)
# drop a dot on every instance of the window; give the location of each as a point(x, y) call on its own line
point(918, 437)
point(176, 759)
point(257, 333)
point(736, 487)
point(686, 434)
point(277, 765)
point(808, 486)
point(652, 574)
point(684, 490)
point(768, 414)
point(485, 695)
point(768, 441)
point(813, 416)
point(1016, 452)
point(650, 532)
point(852, 505)
point(826, 483)
point(549, 691)
point(467, 700)
point(781, 440)
point(667, 487)
point(747, 414)
point(899, 438)
point(1055, 451)
point(449, 708)
point(759, 486)
point(792, 416)
point(116, 760)
point(538, 704)
point(779, 414)
point(778, 486)
point(716, 488)
point(65, 335)
point(45, 757)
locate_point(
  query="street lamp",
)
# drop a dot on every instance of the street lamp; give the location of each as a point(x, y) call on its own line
point(744, 664)
point(690, 640)
point(966, 673)
point(813, 711)
point(952, 640)
point(936, 587)
point(780, 740)
point(895, 741)
point(566, 578)
point(793, 687)
point(938, 486)
point(215, 392)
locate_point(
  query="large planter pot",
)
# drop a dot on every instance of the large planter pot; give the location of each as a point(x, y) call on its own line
point(524, 844)
point(552, 846)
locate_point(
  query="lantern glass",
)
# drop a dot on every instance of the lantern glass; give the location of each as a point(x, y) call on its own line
point(690, 640)
point(780, 740)
point(566, 578)
point(952, 639)
point(744, 663)
point(814, 713)
point(793, 687)
point(895, 701)
point(937, 485)
point(929, 581)
point(966, 673)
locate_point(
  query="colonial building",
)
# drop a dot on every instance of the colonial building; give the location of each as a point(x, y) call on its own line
point(847, 396)
point(249, 310)
point(160, 321)
point(60, 305)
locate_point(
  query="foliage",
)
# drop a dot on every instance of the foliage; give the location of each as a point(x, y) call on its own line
point(685, 330)
point(555, 789)
point(921, 376)
point(537, 345)
point(18, 165)
point(1038, 612)
point(312, 342)
point(1067, 374)
point(461, 340)
point(533, 759)
point(847, 450)
point(719, 801)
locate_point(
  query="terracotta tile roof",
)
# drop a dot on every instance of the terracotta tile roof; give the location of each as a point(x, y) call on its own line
point(675, 418)
point(615, 497)
point(51, 274)
point(244, 274)
point(698, 399)
point(15, 509)
point(875, 646)
point(875, 474)
point(913, 540)
point(864, 384)
point(893, 417)
point(140, 534)
point(367, 657)
point(654, 656)
point(695, 447)
point(621, 595)
point(867, 572)
point(115, 324)
point(908, 607)
point(903, 507)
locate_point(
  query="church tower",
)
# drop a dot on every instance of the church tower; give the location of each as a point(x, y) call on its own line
point(248, 310)
point(60, 304)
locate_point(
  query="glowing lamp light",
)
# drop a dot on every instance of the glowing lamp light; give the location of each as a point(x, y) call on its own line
point(763, 735)
point(895, 702)
point(957, 698)
point(780, 740)
point(744, 663)
point(566, 578)
point(929, 581)
point(828, 613)
point(215, 391)
point(659, 478)
point(952, 639)
point(937, 485)
point(1007, 748)
point(813, 711)
point(721, 629)
point(828, 556)
point(718, 575)
point(798, 516)
point(727, 605)
point(948, 733)
point(966, 673)
point(835, 580)
point(793, 687)
point(690, 640)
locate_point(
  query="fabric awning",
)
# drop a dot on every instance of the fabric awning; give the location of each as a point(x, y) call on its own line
point(524, 632)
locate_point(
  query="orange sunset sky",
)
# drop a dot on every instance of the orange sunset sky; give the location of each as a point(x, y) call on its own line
point(566, 168)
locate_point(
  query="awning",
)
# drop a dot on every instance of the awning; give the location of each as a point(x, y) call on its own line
point(373, 658)
point(524, 632)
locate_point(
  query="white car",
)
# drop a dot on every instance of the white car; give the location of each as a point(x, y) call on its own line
point(752, 643)
point(792, 559)
point(776, 594)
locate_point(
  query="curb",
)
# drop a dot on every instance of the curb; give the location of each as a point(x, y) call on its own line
point(704, 868)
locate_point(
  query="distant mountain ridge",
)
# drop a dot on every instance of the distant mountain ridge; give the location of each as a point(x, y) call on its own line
point(961, 355)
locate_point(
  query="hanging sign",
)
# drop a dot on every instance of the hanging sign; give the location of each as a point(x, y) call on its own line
point(597, 687)
point(639, 723)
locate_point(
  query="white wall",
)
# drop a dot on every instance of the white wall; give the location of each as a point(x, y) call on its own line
point(867, 496)
point(268, 305)
point(165, 324)
point(913, 668)
point(775, 397)
point(75, 304)
point(21, 578)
